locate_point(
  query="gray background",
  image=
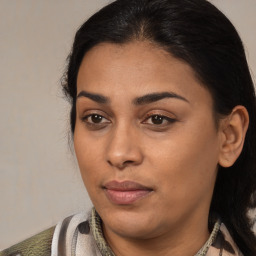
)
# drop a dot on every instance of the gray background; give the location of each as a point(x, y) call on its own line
point(39, 178)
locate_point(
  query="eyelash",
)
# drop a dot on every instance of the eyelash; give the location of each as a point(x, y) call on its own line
point(94, 125)
point(168, 120)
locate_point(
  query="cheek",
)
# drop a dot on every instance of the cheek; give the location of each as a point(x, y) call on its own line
point(187, 162)
point(89, 156)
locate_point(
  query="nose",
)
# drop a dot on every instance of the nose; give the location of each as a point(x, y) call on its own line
point(124, 148)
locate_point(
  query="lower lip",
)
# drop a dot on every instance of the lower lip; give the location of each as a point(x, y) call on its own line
point(126, 197)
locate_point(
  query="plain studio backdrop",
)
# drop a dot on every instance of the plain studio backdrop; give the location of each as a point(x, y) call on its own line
point(39, 179)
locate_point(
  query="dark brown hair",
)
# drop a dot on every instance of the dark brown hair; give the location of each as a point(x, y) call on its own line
point(198, 33)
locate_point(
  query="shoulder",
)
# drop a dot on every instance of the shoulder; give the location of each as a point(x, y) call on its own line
point(57, 240)
point(38, 245)
point(224, 244)
point(71, 235)
point(74, 236)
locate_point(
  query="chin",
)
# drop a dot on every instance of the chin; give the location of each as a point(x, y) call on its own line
point(131, 224)
point(132, 230)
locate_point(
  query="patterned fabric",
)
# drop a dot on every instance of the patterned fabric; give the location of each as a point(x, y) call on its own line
point(224, 245)
point(95, 225)
point(219, 243)
point(79, 235)
point(38, 245)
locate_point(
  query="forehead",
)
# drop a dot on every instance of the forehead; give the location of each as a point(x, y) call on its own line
point(137, 68)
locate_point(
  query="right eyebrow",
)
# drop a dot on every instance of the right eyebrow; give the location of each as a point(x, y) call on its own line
point(153, 97)
point(94, 96)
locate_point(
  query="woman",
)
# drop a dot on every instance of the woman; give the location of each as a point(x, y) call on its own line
point(163, 121)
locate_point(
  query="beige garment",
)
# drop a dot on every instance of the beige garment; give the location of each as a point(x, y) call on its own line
point(85, 238)
point(224, 245)
point(80, 235)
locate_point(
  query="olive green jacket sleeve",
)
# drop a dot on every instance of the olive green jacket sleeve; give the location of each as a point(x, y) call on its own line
point(38, 245)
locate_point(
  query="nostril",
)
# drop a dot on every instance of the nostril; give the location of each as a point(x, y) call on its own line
point(121, 165)
point(128, 162)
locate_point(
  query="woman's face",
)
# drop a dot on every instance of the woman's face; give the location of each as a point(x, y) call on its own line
point(145, 139)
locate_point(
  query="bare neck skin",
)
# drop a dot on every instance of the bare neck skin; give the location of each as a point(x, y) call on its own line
point(181, 242)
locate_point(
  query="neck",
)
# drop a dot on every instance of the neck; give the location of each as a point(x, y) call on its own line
point(186, 240)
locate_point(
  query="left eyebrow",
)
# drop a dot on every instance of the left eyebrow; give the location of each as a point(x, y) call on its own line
point(94, 96)
point(153, 97)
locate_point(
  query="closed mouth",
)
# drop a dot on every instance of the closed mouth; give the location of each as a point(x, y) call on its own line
point(125, 192)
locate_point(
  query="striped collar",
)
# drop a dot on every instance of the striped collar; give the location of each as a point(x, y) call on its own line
point(96, 228)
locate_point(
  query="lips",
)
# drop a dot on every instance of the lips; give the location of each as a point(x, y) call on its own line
point(126, 192)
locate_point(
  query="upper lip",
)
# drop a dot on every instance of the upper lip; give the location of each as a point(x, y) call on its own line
point(125, 186)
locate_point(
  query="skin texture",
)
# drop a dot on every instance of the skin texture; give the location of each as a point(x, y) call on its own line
point(176, 159)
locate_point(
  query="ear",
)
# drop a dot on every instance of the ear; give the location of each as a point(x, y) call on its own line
point(233, 129)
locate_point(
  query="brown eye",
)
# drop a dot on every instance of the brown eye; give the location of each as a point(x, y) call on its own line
point(157, 119)
point(96, 118)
